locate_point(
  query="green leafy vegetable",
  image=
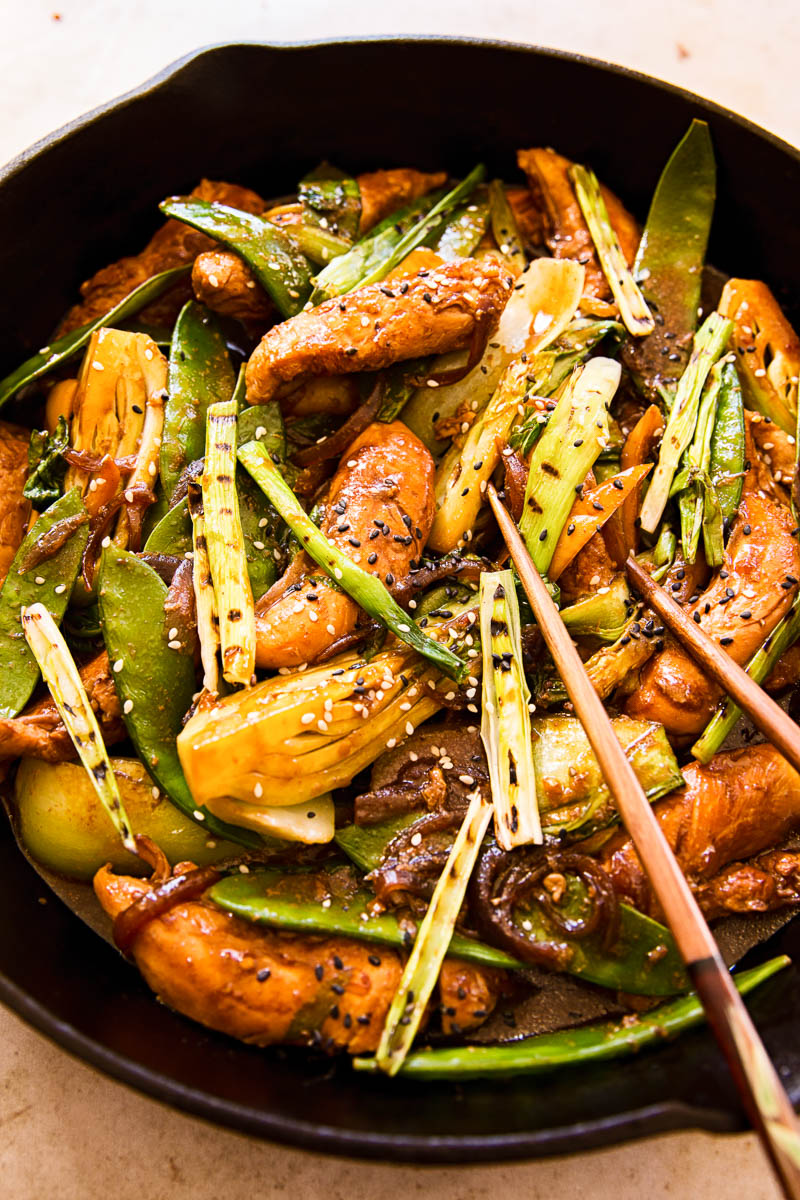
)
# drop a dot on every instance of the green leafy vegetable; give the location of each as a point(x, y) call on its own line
point(46, 464)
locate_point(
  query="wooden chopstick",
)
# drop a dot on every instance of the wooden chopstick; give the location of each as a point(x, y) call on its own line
point(776, 725)
point(764, 1097)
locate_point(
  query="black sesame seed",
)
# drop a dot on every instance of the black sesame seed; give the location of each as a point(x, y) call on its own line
point(375, 960)
point(725, 641)
point(319, 970)
point(696, 618)
point(263, 974)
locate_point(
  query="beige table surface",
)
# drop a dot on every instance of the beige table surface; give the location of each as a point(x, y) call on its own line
point(67, 1132)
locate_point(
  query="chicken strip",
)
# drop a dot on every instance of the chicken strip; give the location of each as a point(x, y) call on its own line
point(468, 994)
point(223, 282)
point(432, 313)
point(379, 512)
point(254, 983)
point(15, 510)
point(566, 232)
point(174, 245)
point(736, 806)
point(39, 733)
point(743, 604)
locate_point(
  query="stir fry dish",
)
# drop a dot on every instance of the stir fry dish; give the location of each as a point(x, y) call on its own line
point(270, 686)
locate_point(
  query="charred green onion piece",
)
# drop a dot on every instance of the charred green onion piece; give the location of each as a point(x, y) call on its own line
point(273, 258)
point(636, 316)
point(61, 676)
point(225, 544)
point(576, 433)
point(365, 589)
point(571, 1047)
point(506, 722)
point(431, 943)
point(64, 347)
point(709, 344)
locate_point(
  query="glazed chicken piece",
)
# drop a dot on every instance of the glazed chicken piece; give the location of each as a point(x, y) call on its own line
point(433, 312)
point(14, 508)
point(737, 806)
point(223, 282)
point(379, 512)
point(174, 245)
point(566, 232)
point(263, 986)
point(254, 983)
point(38, 732)
point(590, 569)
point(383, 192)
point(744, 602)
point(468, 994)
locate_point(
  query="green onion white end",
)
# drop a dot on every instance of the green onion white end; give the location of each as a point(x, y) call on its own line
point(61, 676)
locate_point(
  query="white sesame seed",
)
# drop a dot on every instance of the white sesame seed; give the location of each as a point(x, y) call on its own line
point(467, 779)
point(312, 616)
point(337, 572)
point(198, 816)
point(151, 468)
point(244, 869)
point(409, 728)
point(416, 839)
point(60, 588)
point(404, 628)
point(331, 629)
point(106, 542)
point(258, 789)
point(259, 545)
point(261, 431)
point(174, 644)
point(98, 366)
point(39, 579)
point(262, 524)
point(173, 633)
point(392, 742)
point(127, 707)
point(326, 903)
point(322, 726)
point(307, 718)
point(155, 793)
point(405, 706)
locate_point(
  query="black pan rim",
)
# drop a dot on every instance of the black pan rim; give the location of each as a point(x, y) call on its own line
point(666, 1116)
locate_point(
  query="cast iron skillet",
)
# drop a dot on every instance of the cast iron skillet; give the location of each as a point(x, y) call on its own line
point(262, 115)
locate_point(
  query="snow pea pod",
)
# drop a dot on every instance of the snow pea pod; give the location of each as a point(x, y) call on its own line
point(200, 373)
point(571, 1047)
point(728, 443)
point(154, 676)
point(669, 263)
point(273, 258)
point(30, 581)
point(280, 900)
point(64, 347)
point(172, 534)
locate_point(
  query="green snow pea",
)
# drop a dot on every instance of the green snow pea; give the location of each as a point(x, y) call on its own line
point(669, 263)
point(200, 373)
point(273, 258)
point(571, 1047)
point(155, 680)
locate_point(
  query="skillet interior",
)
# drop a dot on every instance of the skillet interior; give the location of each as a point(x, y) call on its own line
point(262, 116)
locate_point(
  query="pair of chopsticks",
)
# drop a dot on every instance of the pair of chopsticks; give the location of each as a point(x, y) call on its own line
point(765, 1100)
